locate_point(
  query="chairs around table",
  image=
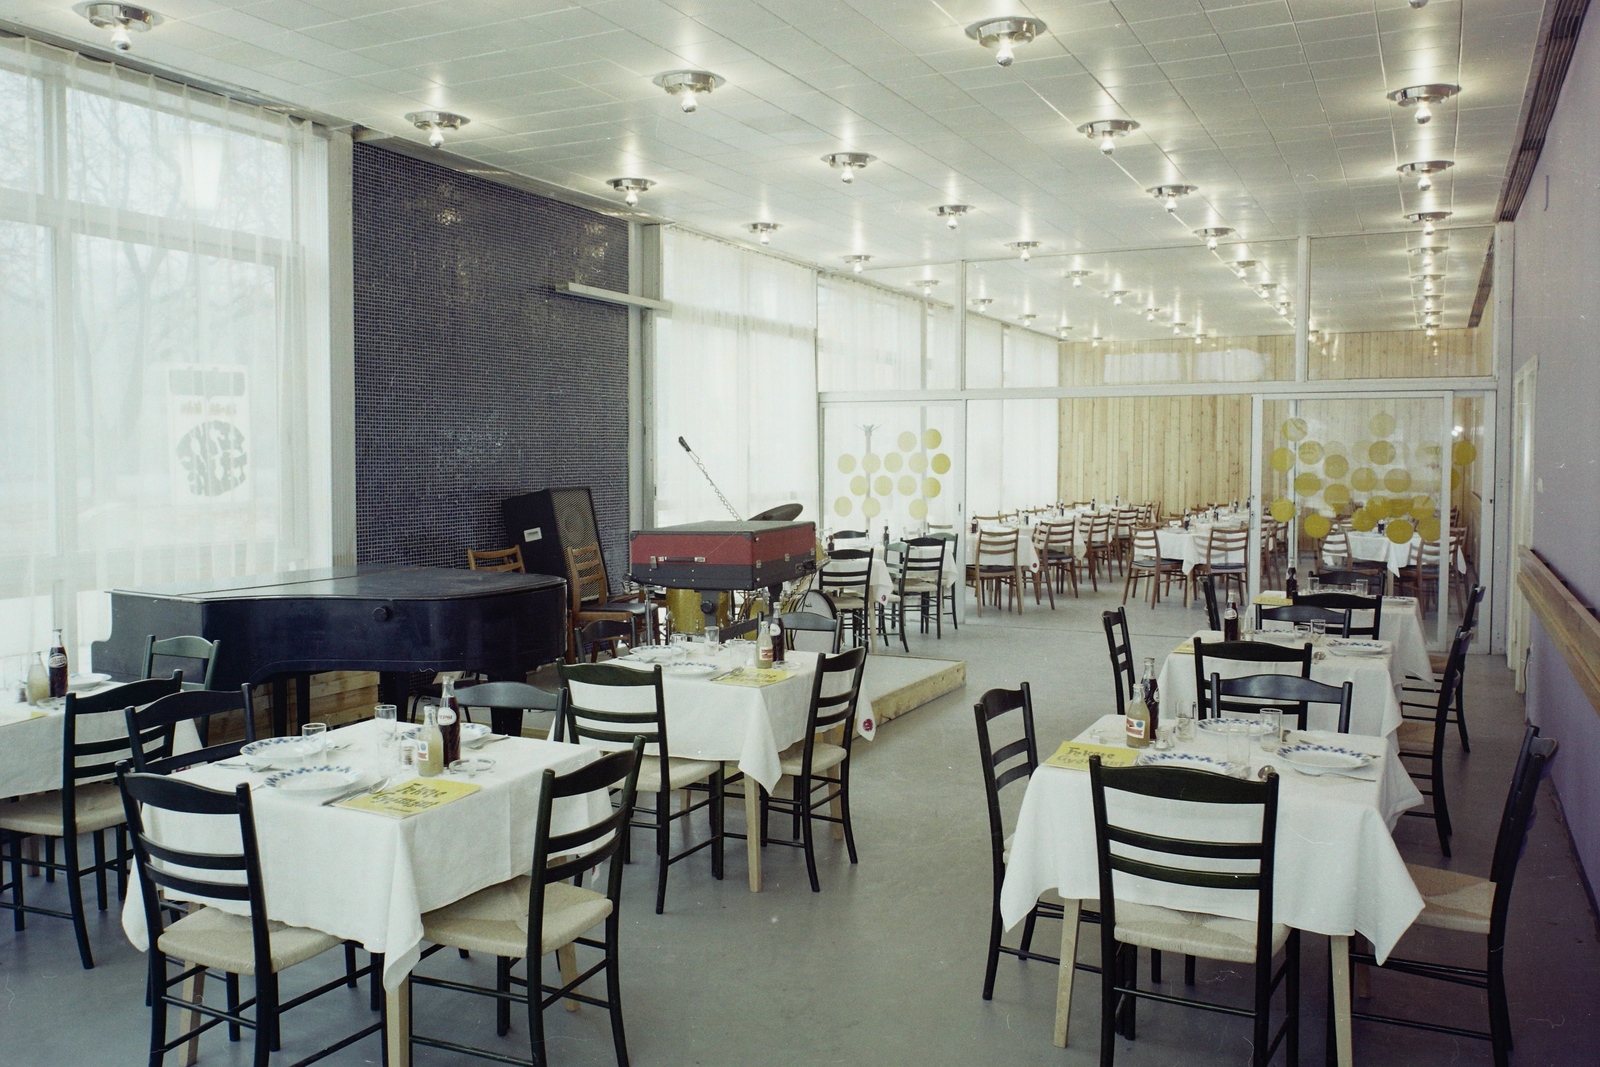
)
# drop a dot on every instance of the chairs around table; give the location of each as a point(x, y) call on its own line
point(1208, 587)
point(1144, 563)
point(1422, 742)
point(845, 579)
point(1336, 622)
point(1349, 603)
point(1059, 556)
point(592, 599)
point(547, 910)
point(190, 650)
point(1376, 580)
point(86, 803)
point(803, 622)
point(1252, 652)
point(509, 702)
point(153, 729)
point(1438, 660)
point(1224, 559)
point(1292, 695)
point(923, 585)
point(602, 635)
point(1099, 545)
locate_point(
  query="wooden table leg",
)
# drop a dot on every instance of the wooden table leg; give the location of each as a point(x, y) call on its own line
point(397, 1028)
point(1339, 978)
point(752, 830)
point(1069, 953)
point(194, 990)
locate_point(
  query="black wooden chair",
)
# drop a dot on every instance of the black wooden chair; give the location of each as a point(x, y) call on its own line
point(1430, 686)
point(155, 727)
point(1349, 603)
point(1375, 579)
point(1125, 927)
point(890, 610)
point(807, 763)
point(924, 587)
point(1287, 693)
point(190, 650)
point(803, 622)
point(1337, 622)
point(608, 635)
point(508, 702)
point(1464, 903)
point(844, 579)
point(558, 913)
point(747, 629)
point(86, 803)
point(615, 704)
point(1422, 743)
point(1121, 645)
point(210, 939)
point(1241, 652)
point(1208, 586)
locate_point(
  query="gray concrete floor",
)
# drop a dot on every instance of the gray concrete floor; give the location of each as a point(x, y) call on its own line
point(885, 965)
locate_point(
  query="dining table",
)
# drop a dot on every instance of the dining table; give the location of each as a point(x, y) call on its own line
point(1338, 871)
point(1401, 623)
point(1192, 544)
point(31, 738)
point(367, 877)
point(1375, 546)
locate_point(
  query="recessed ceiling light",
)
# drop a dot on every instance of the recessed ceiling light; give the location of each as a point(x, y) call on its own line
point(119, 19)
point(1004, 34)
point(1213, 234)
point(1169, 194)
point(1240, 266)
point(925, 284)
point(951, 213)
point(1106, 131)
point(857, 262)
point(1078, 276)
point(435, 123)
point(848, 162)
point(1150, 313)
point(687, 85)
point(1118, 294)
point(1423, 97)
point(764, 230)
point(632, 187)
point(1023, 249)
point(982, 302)
point(1425, 170)
point(1428, 219)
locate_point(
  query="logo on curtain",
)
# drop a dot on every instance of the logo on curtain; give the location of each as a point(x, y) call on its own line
point(208, 426)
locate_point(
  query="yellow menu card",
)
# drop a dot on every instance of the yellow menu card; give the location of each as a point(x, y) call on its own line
point(1074, 755)
point(1272, 601)
point(411, 798)
point(755, 677)
point(1185, 649)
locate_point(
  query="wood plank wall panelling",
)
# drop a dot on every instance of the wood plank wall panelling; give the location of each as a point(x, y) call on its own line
point(1181, 450)
point(1119, 362)
point(1401, 354)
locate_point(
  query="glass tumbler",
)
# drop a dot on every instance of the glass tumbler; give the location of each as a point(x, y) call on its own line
point(1271, 729)
point(1238, 742)
point(1319, 630)
point(1313, 583)
point(314, 742)
point(1186, 718)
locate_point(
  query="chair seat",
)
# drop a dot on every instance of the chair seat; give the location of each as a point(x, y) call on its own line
point(495, 920)
point(1226, 568)
point(1437, 661)
point(99, 807)
point(849, 603)
point(1192, 933)
point(922, 587)
point(1452, 900)
point(597, 614)
point(680, 773)
point(218, 939)
point(1417, 733)
point(996, 569)
point(824, 757)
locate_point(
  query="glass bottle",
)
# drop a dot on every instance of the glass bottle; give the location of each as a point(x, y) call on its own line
point(1291, 585)
point(778, 642)
point(430, 744)
point(57, 663)
point(1230, 622)
point(763, 644)
point(450, 721)
point(38, 679)
point(1138, 720)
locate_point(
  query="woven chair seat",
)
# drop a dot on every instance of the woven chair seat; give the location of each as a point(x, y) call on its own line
point(494, 921)
point(1452, 900)
point(99, 807)
point(217, 939)
point(1192, 933)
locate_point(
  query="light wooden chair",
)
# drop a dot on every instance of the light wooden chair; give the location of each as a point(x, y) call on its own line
point(999, 565)
point(496, 559)
point(1099, 546)
point(591, 598)
point(1222, 546)
point(1145, 564)
point(1059, 558)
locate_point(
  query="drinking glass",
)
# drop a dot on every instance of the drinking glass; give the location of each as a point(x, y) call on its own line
point(1313, 583)
point(1238, 742)
point(713, 636)
point(1302, 631)
point(314, 742)
point(1164, 736)
point(1359, 587)
point(680, 644)
point(1186, 717)
point(1271, 729)
point(1319, 630)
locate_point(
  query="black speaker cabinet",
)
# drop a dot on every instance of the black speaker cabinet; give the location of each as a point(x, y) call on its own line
point(548, 522)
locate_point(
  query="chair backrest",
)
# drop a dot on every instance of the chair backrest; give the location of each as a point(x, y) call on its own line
point(1058, 536)
point(1469, 615)
point(1145, 546)
point(496, 559)
point(1099, 529)
point(1338, 621)
point(512, 696)
point(588, 638)
point(1007, 762)
point(835, 691)
point(85, 761)
point(1449, 686)
point(1536, 753)
point(1122, 676)
point(196, 650)
point(997, 548)
point(151, 729)
point(613, 704)
point(847, 572)
point(848, 535)
point(1223, 544)
point(923, 560)
point(1290, 694)
point(797, 622)
point(1208, 586)
point(1346, 577)
point(744, 628)
point(1242, 652)
point(586, 576)
point(1349, 602)
point(1183, 861)
point(1336, 547)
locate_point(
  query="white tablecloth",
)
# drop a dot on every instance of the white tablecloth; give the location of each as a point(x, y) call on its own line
point(1374, 708)
point(881, 582)
point(1192, 545)
point(1402, 624)
point(1377, 548)
point(1338, 870)
point(30, 744)
point(369, 878)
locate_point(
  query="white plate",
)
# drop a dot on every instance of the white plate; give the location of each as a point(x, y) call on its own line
point(655, 653)
point(1349, 646)
point(271, 753)
point(316, 782)
point(1221, 725)
point(473, 732)
point(1322, 759)
point(690, 670)
point(1192, 760)
point(78, 683)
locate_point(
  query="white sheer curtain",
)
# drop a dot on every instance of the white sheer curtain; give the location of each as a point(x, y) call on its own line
point(1012, 445)
point(871, 338)
point(162, 266)
point(735, 375)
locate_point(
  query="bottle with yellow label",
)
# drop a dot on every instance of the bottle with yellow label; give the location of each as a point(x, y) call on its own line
point(763, 645)
point(1138, 719)
point(430, 744)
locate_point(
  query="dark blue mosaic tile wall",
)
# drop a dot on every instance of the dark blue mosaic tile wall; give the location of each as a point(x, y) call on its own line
point(474, 380)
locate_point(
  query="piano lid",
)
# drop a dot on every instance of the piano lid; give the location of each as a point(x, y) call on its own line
point(354, 583)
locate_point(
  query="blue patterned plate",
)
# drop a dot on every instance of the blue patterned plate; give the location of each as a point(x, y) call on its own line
point(1324, 759)
point(272, 753)
point(318, 781)
point(1349, 646)
point(690, 670)
point(1192, 760)
point(1227, 722)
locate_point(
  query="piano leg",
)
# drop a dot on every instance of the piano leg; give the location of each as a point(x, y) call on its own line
point(394, 687)
point(302, 711)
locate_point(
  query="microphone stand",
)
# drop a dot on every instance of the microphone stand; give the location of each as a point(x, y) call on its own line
point(736, 516)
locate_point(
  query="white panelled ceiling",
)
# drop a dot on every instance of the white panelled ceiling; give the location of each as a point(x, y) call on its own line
point(1275, 109)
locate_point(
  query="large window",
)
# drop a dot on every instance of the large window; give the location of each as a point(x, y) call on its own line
point(162, 274)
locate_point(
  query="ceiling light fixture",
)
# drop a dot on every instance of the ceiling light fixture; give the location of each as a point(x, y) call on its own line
point(1428, 253)
point(1213, 234)
point(857, 262)
point(1078, 276)
point(1117, 295)
point(1027, 317)
point(1432, 331)
point(951, 213)
point(631, 187)
point(1178, 328)
point(764, 230)
point(1169, 194)
point(1428, 220)
point(1004, 34)
point(1427, 280)
point(119, 19)
point(1094, 342)
point(1150, 313)
point(1106, 131)
point(983, 302)
point(848, 162)
point(1423, 97)
point(687, 85)
point(1023, 249)
point(926, 284)
point(1425, 170)
point(435, 123)
point(1241, 266)
point(1417, 5)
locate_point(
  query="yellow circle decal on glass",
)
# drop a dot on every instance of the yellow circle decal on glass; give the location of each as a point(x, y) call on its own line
point(907, 441)
point(1378, 506)
point(1310, 453)
point(1422, 507)
point(1335, 466)
point(1455, 478)
point(917, 463)
point(1282, 510)
point(842, 506)
point(870, 508)
point(1336, 448)
point(893, 462)
point(1432, 452)
point(1307, 484)
point(883, 485)
point(1399, 531)
point(1381, 424)
point(941, 464)
point(1397, 480)
point(847, 464)
point(1463, 453)
point(1363, 480)
point(931, 438)
point(908, 485)
point(858, 485)
point(1337, 495)
point(1428, 528)
point(1381, 453)
point(1363, 520)
point(930, 487)
point(870, 462)
point(1294, 429)
point(918, 509)
point(1282, 459)
point(1317, 525)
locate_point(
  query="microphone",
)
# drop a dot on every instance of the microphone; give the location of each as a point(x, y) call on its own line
point(685, 445)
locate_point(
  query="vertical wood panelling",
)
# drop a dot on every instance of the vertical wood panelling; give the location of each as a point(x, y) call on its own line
point(1181, 450)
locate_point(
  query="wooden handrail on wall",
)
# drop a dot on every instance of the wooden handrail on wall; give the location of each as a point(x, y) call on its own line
point(1569, 622)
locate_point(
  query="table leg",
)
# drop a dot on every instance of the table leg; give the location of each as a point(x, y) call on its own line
point(752, 830)
point(567, 961)
point(194, 990)
point(397, 1025)
point(1339, 979)
point(1069, 953)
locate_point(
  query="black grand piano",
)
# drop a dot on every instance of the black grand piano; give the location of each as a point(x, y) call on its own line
point(393, 620)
